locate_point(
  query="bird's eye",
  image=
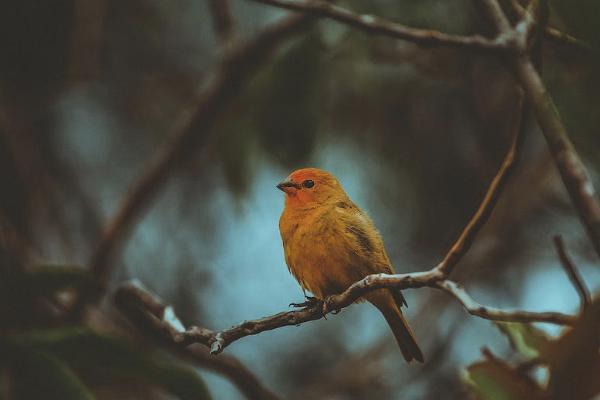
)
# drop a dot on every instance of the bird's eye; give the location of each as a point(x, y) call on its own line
point(308, 183)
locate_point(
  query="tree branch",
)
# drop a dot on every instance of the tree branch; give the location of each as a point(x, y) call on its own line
point(376, 25)
point(496, 314)
point(148, 312)
point(573, 273)
point(572, 171)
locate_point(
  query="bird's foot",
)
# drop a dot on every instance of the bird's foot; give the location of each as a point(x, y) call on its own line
point(310, 301)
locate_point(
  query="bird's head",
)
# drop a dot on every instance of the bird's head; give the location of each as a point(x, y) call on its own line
point(311, 187)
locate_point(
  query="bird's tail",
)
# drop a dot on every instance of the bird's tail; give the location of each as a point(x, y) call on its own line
point(389, 306)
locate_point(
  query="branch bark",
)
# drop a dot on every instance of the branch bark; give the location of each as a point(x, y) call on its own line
point(496, 314)
point(376, 25)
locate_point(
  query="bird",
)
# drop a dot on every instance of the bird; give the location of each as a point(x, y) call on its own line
point(329, 244)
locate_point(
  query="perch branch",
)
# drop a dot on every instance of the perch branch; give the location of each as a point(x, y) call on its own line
point(376, 25)
point(148, 312)
point(573, 273)
point(217, 341)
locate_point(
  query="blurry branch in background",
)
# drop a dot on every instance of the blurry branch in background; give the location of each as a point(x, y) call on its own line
point(436, 277)
point(423, 37)
point(376, 25)
point(554, 34)
point(573, 273)
point(189, 132)
point(222, 20)
point(157, 320)
point(572, 170)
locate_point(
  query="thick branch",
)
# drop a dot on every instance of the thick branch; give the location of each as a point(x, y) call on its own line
point(376, 25)
point(496, 314)
point(573, 273)
point(190, 131)
point(159, 321)
point(572, 171)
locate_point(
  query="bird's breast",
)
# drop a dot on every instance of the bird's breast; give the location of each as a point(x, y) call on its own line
point(315, 252)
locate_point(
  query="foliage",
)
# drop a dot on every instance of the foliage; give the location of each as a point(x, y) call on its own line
point(66, 361)
point(573, 362)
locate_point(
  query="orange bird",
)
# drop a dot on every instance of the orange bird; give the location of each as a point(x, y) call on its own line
point(329, 244)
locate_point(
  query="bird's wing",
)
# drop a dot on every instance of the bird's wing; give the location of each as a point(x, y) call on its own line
point(366, 244)
point(362, 238)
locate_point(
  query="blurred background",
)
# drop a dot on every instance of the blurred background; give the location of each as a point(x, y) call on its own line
point(89, 91)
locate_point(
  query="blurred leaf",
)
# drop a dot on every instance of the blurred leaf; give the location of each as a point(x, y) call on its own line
point(493, 379)
point(105, 357)
point(525, 338)
point(574, 360)
point(288, 116)
point(38, 375)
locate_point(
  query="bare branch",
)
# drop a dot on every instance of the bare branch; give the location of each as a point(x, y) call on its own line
point(573, 273)
point(154, 318)
point(376, 25)
point(222, 19)
point(189, 132)
point(572, 171)
point(496, 314)
point(560, 37)
point(131, 294)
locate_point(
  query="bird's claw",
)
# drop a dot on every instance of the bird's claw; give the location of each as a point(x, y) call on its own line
point(310, 301)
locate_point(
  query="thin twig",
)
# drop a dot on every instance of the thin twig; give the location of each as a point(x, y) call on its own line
point(376, 25)
point(496, 314)
point(189, 132)
point(148, 312)
point(553, 34)
point(572, 170)
point(573, 273)
point(222, 19)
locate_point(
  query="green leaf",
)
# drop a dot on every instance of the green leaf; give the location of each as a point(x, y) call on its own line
point(525, 338)
point(493, 379)
point(39, 375)
point(105, 357)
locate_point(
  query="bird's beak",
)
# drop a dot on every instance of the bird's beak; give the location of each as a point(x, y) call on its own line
point(288, 186)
